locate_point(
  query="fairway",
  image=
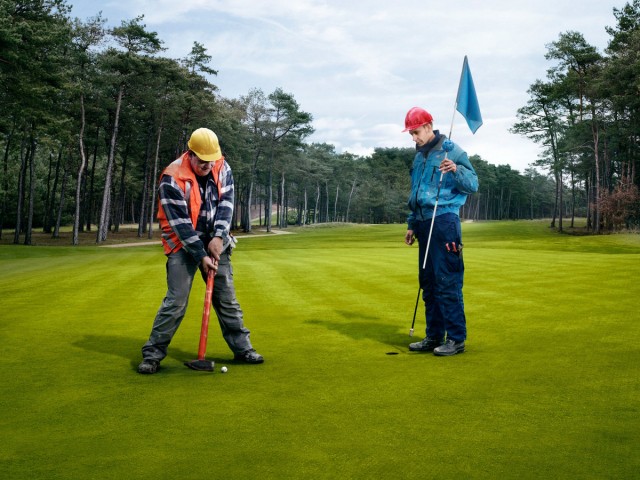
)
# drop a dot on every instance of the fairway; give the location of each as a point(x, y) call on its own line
point(548, 387)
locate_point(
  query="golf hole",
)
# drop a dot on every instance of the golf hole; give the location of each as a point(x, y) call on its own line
point(392, 353)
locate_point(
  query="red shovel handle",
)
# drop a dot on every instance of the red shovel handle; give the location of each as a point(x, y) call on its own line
point(202, 348)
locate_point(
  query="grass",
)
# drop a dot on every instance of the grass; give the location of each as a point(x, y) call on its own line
point(548, 387)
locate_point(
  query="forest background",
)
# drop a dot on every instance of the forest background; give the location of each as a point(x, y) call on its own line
point(91, 114)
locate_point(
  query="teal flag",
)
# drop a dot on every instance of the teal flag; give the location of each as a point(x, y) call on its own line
point(467, 101)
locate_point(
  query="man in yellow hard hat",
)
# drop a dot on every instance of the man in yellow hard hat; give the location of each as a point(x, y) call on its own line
point(195, 210)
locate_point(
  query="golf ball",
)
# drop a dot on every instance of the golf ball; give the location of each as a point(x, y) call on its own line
point(223, 369)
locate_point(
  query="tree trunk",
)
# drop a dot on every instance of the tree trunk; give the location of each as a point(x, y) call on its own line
point(326, 204)
point(486, 205)
point(560, 200)
point(32, 189)
point(118, 216)
point(93, 174)
point(269, 195)
point(283, 215)
point(588, 191)
point(246, 222)
point(596, 142)
point(46, 222)
point(21, 180)
point(154, 179)
point(51, 202)
point(315, 213)
point(142, 224)
point(573, 199)
point(304, 210)
point(531, 200)
point(103, 227)
point(80, 176)
point(5, 183)
point(63, 187)
point(246, 218)
point(279, 202)
point(555, 204)
point(353, 187)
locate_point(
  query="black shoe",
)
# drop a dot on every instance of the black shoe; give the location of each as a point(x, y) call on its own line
point(148, 366)
point(449, 348)
point(249, 356)
point(426, 345)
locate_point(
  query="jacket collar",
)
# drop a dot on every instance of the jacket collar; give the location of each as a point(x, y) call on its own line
point(426, 148)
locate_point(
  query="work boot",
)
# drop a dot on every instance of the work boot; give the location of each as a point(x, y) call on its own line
point(426, 345)
point(451, 347)
point(148, 366)
point(249, 356)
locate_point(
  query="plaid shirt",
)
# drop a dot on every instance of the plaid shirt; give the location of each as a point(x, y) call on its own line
point(214, 218)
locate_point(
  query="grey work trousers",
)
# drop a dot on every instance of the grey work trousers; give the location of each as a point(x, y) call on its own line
point(181, 269)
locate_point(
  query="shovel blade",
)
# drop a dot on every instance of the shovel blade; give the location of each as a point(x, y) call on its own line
point(201, 365)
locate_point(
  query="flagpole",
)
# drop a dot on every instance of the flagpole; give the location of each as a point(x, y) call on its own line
point(455, 107)
point(447, 146)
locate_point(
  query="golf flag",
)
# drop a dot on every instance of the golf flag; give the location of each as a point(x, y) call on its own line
point(467, 101)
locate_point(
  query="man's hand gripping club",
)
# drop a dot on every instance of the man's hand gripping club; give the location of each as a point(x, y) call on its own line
point(215, 250)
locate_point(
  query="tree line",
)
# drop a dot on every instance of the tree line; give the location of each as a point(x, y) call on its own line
point(92, 114)
point(586, 115)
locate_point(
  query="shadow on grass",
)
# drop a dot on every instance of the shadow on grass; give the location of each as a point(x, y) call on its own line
point(360, 327)
point(130, 349)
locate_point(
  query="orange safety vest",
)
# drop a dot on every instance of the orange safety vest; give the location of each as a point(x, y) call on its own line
point(181, 171)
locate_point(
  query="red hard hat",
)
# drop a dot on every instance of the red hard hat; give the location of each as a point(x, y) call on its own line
point(416, 117)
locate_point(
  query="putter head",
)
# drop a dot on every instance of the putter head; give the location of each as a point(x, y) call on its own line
point(411, 332)
point(201, 365)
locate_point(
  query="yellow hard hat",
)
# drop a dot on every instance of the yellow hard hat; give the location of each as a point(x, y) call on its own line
point(204, 143)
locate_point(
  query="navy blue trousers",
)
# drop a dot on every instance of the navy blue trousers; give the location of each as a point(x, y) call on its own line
point(441, 280)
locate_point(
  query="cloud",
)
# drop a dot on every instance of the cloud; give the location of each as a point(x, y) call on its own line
point(358, 66)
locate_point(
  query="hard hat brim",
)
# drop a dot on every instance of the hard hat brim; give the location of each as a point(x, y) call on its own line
point(209, 158)
point(413, 127)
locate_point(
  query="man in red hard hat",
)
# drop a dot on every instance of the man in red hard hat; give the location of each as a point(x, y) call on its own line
point(431, 201)
point(195, 211)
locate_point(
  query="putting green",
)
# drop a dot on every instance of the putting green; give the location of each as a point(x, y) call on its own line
point(548, 386)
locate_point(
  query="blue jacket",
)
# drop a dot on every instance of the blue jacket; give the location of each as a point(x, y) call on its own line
point(424, 183)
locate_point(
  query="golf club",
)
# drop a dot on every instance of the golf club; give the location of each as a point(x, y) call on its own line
point(415, 310)
point(201, 364)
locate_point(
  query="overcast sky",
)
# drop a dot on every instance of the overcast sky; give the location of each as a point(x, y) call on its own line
point(357, 66)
